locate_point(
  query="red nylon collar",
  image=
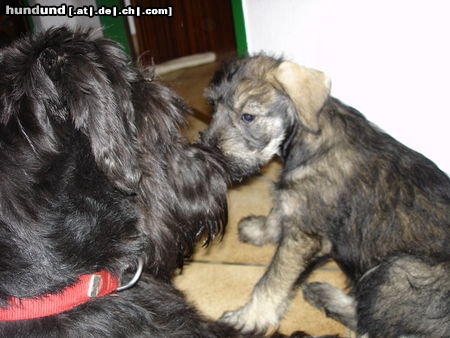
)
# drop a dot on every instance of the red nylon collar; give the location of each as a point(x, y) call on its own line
point(88, 287)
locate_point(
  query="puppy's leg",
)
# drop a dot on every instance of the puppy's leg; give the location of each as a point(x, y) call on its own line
point(274, 290)
point(260, 230)
point(333, 301)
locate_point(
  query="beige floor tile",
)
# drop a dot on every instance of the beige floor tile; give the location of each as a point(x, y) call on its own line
point(190, 84)
point(215, 288)
point(272, 170)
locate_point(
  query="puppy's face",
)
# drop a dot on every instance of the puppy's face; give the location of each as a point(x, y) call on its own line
point(250, 124)
point(257, 104)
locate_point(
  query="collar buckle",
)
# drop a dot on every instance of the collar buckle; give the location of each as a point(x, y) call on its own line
point(136, 276)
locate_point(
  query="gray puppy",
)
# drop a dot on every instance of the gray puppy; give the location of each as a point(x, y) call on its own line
point(347, 191)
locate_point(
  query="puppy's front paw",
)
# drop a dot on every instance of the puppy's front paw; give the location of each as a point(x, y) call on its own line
point(250, 319)
point(251, 230)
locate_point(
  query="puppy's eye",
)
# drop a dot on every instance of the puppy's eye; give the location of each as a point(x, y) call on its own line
point(247, 117)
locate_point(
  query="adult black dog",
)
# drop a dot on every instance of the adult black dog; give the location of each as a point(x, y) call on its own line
point(347, 190)
point(95, 178)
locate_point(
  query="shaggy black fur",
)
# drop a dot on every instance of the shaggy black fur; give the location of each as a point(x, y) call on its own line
point(94, 174)
point(347, 190)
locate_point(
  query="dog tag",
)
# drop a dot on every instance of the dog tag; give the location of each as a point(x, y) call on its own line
point(94, 285)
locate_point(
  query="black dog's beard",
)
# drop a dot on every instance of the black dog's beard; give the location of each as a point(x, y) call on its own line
point(236, 170)
point(182, 192)
point(195, 210)
point(240, 171)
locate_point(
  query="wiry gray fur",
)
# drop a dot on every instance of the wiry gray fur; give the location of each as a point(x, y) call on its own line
point(347, 191)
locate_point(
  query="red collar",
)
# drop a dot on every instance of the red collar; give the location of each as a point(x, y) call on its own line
point(88, 287)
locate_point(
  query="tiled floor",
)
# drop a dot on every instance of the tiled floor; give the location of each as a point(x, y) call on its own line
point(221, 277)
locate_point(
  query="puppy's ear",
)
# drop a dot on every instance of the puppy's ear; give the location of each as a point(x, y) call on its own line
point(307, 88)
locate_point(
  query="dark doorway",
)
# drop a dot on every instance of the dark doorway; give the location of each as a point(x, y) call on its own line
point(197, 26)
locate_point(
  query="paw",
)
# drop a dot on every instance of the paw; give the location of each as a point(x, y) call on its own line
point(250, 319)
point(328, 298)
point(251, 230)
point(315, 294)
point(333, 302)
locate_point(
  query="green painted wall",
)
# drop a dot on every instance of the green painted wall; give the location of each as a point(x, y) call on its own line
point(239, 27)
point(114, 28)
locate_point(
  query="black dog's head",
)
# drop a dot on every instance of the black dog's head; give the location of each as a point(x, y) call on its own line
point(257, 102)
point(95, 176)
point(92, 160)
point(62, 77)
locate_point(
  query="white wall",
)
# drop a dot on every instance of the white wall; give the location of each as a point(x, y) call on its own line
point(390, 59)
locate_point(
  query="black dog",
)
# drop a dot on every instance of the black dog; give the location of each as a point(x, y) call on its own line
point(347, 190)
point(94, 178)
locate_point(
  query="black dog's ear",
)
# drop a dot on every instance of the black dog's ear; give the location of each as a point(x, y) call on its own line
point(104, 110)
point(25, 88)
point(62, 75)
point(94, 86)
point(112, 144)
